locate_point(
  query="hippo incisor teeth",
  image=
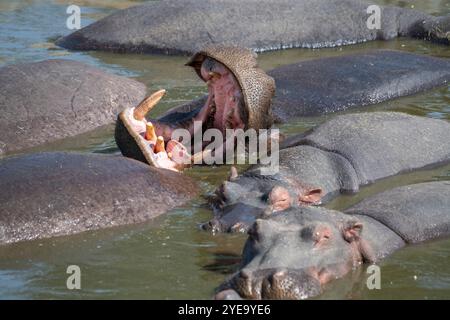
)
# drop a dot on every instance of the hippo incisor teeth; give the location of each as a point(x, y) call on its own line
point(147, 104)
point(150, 133)
point(159, 145)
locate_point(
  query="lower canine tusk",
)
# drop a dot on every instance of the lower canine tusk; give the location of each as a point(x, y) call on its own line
point(147, 104)
point(159, 145)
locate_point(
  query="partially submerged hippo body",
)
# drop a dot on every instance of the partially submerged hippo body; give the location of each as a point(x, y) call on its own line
point(239, 97)
point(293, 253)
point(52, 194)
point(49, 100)
point(338, 156)
point(318, 86)
point(183, 27)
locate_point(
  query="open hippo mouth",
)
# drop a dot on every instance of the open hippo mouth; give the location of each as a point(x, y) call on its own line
point(239, 97)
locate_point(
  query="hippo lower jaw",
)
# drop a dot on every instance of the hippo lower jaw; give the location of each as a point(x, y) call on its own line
point(224, 109)
point(270, 284)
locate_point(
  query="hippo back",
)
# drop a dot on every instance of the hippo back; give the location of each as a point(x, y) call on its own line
point(416, 213)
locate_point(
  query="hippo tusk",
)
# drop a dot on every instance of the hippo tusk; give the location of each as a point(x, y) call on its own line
point(147, 104)
point(159, 145)
point(150, 134)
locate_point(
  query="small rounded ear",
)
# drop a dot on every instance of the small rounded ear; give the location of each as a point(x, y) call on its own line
point(311, 196)
point(279, 198)
point(351, 230)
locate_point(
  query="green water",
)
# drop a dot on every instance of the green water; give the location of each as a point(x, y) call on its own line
point(168, 257)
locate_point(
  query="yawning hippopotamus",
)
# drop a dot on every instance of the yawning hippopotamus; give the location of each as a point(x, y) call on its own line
point(338, 156)
point(293, 253)
point(174, 26)
point(325, 85)
point(239, 97)
point(45, 101)
point(52, 194)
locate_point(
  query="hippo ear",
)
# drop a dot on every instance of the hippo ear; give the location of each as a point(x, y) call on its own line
point(311, 196)
point(351, 230)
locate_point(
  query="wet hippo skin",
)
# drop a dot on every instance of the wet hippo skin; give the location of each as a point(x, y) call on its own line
point(291, 254)
point(53, 194)
point(320, 86)
point(45, 101)
point(183, 27)
point(337, 156)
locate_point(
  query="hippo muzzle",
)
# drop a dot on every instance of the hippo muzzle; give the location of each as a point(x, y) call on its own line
point(272, 284)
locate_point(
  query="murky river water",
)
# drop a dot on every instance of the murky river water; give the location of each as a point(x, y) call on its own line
point(168, 257)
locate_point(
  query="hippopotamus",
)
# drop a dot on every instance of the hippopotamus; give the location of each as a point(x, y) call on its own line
point(336, 157)
point(292, 254)
point(239, 98)
point(52, 194)
point(45, 101)
point(325, 85)
point(183, 27)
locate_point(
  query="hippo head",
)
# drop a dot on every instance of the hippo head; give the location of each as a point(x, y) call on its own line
point(291, 255)
point(243, 198)
point(239, 97)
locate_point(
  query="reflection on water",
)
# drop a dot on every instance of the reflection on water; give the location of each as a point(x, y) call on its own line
point(169, 257)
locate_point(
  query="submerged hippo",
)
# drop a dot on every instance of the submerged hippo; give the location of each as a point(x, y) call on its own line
point(45, 101)
point(318, 86)
point(293, 253)
point(338, 156)
point(52, 194)
point(183, 27)
point(239, 97)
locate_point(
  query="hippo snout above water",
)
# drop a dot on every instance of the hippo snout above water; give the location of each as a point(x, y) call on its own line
point(294, 253)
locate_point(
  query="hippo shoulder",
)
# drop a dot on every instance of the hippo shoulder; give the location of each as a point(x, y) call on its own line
point(52, 194)
point(381, 144)
point(49, 100)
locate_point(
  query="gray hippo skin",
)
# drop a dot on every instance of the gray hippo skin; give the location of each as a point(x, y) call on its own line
point(46, 101)
point(318, 86)
point(338, 156)
point(53, 194)
point(183, 27)
point(293, 253)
